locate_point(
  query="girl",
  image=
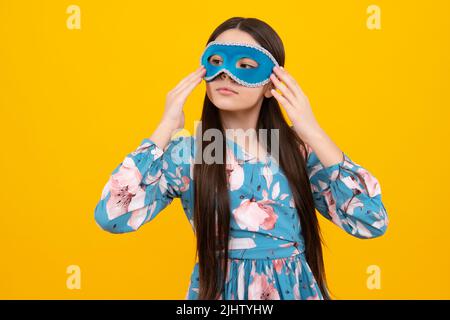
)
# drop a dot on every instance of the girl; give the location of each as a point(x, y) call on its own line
point(256, 227)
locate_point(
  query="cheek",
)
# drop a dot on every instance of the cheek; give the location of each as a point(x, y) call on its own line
point(250, 94)
point(209, 89)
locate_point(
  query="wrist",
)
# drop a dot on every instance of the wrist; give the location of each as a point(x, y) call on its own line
point(312, 134)
point(168, 125)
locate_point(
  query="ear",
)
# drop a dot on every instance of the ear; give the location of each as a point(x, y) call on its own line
point(267, 92)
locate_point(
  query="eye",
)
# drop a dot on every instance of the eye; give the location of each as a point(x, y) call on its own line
point(247, 63)
point(215, 60)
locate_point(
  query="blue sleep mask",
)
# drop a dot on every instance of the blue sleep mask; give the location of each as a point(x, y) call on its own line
point(231, 53)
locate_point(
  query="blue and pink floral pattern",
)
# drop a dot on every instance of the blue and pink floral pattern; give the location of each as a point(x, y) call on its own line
point(266, 247)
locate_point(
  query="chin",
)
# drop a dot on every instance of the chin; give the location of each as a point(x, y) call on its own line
point(227, 107)
point(228, 104)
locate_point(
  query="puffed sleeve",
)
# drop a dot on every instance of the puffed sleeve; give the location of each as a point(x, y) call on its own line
point(143, 184)
point(348, 195)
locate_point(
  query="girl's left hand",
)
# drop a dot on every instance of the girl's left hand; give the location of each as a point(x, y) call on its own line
point(295, 102)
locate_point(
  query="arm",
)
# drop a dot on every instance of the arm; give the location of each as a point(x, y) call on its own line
point(343, 191)
point(150, 177)
point(348, 195)
point(141, 186)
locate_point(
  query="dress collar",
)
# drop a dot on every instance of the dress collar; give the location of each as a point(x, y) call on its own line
point(241, 154)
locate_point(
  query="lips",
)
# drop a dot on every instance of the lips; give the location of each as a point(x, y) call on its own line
point(226, 89)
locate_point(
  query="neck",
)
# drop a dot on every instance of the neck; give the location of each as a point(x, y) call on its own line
point(241, 121)
point(240, 126)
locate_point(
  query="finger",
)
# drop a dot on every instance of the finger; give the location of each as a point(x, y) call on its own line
point(192, 75)
point(187, 88)
point(191, 85)
point(282, 100)
point(284, 90)
point(195, 77)
point(296, 85)
point(289, 80)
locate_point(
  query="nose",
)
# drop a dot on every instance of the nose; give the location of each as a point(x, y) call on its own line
point(225, 75)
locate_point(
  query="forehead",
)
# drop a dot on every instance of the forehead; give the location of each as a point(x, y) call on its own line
point(236, 35)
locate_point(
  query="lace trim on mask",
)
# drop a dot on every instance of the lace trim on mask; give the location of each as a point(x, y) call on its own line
point(244, 83)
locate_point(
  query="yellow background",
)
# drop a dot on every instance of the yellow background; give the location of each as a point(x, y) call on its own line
point(75, 102)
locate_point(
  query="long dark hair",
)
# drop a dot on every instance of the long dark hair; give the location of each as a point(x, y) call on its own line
point(212, 205)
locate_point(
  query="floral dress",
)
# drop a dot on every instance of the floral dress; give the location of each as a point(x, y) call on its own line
point(266, 248)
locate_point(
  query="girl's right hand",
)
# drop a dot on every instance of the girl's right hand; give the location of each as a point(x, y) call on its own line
point(173, 115)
